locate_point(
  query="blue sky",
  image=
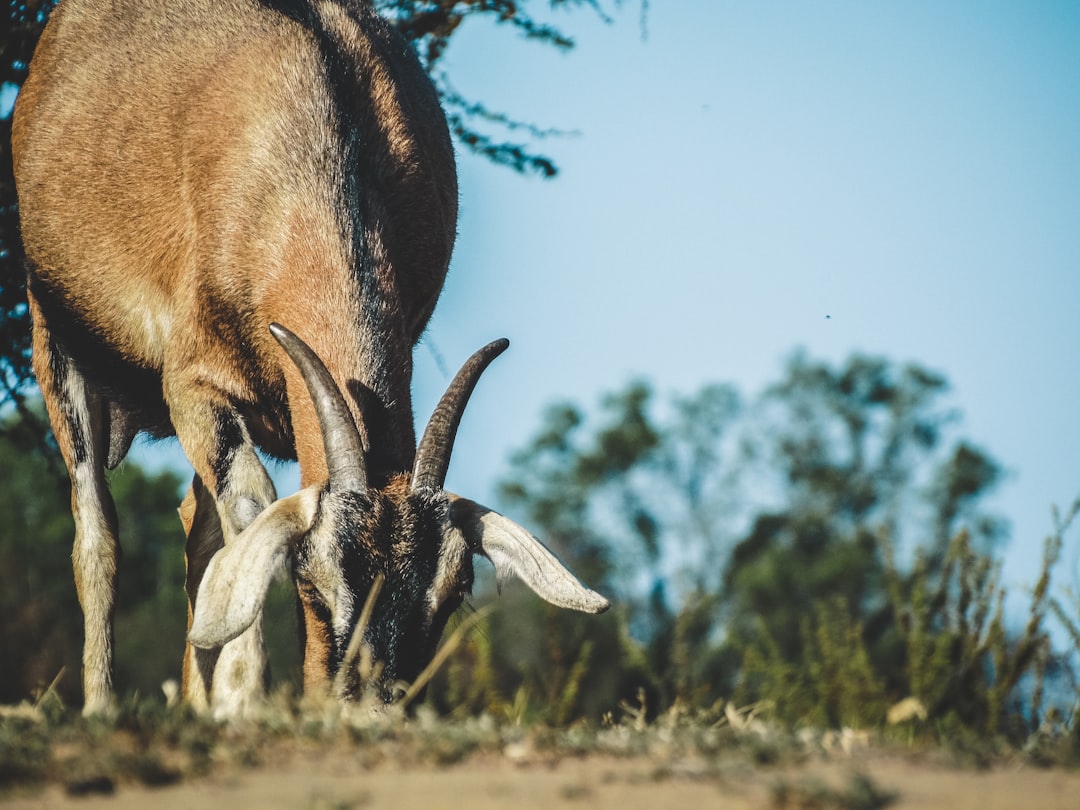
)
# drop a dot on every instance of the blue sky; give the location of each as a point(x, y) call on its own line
point(911, 170)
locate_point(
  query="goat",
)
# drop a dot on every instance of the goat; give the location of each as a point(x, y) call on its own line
point(196, 180)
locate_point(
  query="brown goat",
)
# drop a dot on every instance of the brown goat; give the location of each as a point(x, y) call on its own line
point(190, 175)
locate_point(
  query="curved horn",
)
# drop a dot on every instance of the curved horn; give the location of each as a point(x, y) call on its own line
point(433, 454)
point(341, 440)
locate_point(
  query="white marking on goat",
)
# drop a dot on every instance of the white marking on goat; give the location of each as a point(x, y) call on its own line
point(453, 557)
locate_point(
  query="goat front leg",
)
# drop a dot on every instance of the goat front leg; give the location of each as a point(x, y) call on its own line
point(198, 514)
point(79, 421)
point(230, 489)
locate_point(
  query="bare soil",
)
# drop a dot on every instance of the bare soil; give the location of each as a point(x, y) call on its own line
point(497, 782)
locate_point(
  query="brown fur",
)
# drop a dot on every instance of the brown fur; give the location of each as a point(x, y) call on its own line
point(180, 177)
point(192, 245)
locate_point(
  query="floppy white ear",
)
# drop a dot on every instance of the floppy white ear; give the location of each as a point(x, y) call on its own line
point(233, 588)
point(513, 550)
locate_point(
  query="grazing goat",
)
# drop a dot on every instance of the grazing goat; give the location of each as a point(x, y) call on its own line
point(191, 174)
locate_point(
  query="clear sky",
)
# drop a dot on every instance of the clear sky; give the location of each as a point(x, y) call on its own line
point(911, 170)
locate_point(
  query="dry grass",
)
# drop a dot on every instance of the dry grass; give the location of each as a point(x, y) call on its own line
point(147, 743)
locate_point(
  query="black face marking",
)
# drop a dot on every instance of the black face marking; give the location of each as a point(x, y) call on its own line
point(399, 538)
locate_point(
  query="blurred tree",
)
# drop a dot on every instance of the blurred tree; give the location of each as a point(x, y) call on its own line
point(638, 505)
point(40, 627)
point(655, 482)
point(40, 619)
point(25, 19)
point(151, 603)
point(854, 454)
point(429, 24)
point(725, 531)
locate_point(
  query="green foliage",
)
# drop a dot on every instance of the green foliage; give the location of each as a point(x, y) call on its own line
point(795, 602)
point(962, 665)
point(151, 604)
point(531, 662)
point(431, 25)
point(948, 628)
point(1067, 613)
point(833, 685)
point(37, 597)
point(959, 665)
point(786, 566)
point(24, 751)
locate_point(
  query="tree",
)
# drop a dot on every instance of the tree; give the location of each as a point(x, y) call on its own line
point(25, 20)
point(639, 498)
point(859, 458)
point(429, 24)
point(748, 548)
point(855, 454)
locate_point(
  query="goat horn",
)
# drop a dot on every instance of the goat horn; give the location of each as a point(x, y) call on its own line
point(341, 440)
point(433, 454)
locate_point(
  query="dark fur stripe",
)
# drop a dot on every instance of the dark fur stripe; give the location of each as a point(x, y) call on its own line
point(364, 157)
point(297, 10)
point(228, 438)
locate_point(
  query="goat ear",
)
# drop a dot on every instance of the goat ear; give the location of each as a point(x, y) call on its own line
point(233, 588)
point(513, 551)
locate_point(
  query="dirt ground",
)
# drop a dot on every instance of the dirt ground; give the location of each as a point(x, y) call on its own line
point(594, 782)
